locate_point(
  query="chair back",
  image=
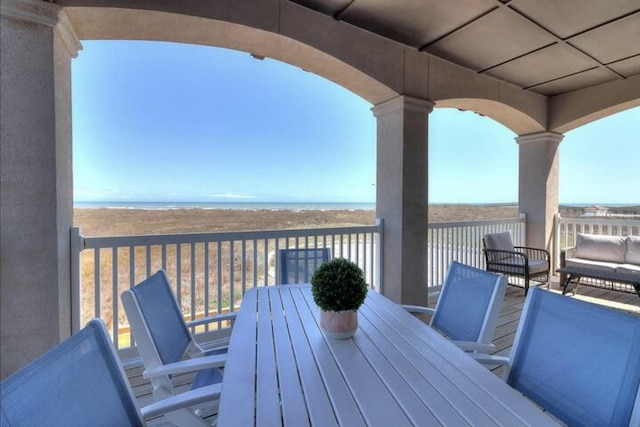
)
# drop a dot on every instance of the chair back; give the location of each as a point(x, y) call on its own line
point(156, 321)
point(80, 382)
point(469, 303)
point(580, 361)
point(499, 241)
point(298, 265)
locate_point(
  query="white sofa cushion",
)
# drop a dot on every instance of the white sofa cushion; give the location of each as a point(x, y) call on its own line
point(628, 269)
point(601, 248)
point(595, 265)
point(633, 250)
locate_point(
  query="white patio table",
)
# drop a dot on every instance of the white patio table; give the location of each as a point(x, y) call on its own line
point(395, 371)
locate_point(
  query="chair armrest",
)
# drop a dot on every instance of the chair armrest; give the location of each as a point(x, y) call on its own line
point(182, 400)
point(496, 255)
point(189, 365)
point(418, 309)
point(506, 262)
point(210, 319)
point(536, 253)
point(490, 360)
point(218, 344)
point(566, 253)
point(473, 346)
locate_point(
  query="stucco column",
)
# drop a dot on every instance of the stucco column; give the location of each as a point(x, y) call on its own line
point(538, 185)
point(36, 199)
point(401, 196)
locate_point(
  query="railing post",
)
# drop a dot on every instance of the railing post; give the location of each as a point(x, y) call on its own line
point(523, 228)
point(557, 219)
point(76, 299)
point(380, 252)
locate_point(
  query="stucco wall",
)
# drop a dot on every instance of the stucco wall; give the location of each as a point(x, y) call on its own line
point(35, 197)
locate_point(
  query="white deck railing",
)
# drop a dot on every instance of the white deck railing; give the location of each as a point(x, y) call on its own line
point(211, 271)
point(462, 242)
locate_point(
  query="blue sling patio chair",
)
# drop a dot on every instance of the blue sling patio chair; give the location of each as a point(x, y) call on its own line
point(468, 307)
point(80, 382)
point(298, 265)
point(577, 360)
point(163, 339)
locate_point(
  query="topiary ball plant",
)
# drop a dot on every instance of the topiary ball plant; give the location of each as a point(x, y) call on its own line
point(338, 285)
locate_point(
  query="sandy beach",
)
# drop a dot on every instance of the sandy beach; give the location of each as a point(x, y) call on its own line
point(115, 221)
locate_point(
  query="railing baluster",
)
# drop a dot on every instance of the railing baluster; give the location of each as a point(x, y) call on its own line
point(219, 278)
point(114, 287)
point(255, 266)
point(148, 259)
point(232, 268)
point(265, 261)
point(179, 274)
point(206, 281)
point(243, 263)
point(96, 283)
point(193, 281)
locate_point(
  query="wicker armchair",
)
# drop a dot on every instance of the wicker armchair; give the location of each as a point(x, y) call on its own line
point(530, 264)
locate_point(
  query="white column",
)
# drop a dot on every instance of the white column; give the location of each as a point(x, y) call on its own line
point(538, 185)
point(36, 200)
point(401, 196)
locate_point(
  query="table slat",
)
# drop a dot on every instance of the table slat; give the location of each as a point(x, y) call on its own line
point(238, 395)
point(318, 403)
point(294, 408)
point(267, 389)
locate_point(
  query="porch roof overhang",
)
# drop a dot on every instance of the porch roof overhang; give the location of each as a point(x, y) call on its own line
point(578, 53)
point(562, 64)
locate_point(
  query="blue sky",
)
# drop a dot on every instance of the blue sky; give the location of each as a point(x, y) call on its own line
point(172, 122)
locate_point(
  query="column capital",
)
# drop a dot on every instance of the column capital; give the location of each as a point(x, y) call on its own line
point(544, 137)
point(403, 102)
point(43, 13)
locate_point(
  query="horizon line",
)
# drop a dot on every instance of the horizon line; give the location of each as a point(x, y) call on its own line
point(246, 202)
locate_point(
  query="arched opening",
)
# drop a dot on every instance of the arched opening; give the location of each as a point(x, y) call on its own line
point(597, 161)
point(253, 34)
point(168, 122)
point(510, 117)
point(473, 160)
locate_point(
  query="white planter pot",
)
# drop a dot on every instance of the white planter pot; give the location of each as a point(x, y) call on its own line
point(339, 324)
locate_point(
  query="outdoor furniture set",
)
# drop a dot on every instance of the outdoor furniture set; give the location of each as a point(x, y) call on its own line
point(281, 369)
point(601, 261)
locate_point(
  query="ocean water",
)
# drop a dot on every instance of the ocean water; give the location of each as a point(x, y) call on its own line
point(278, 205)
point(228, 205)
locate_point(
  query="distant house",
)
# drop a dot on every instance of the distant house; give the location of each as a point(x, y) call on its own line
point(593, 211)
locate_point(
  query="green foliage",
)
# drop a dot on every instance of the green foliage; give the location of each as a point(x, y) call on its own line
point(339, 285)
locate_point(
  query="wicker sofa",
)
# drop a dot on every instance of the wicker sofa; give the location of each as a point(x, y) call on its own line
point(603, 261)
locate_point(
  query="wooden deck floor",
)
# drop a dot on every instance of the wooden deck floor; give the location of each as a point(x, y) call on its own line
point(503, 339)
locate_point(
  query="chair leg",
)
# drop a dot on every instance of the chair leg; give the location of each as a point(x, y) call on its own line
point(526, 285)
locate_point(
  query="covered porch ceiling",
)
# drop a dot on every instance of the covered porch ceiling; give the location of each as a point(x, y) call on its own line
point(532, 65)
point(549, 47)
